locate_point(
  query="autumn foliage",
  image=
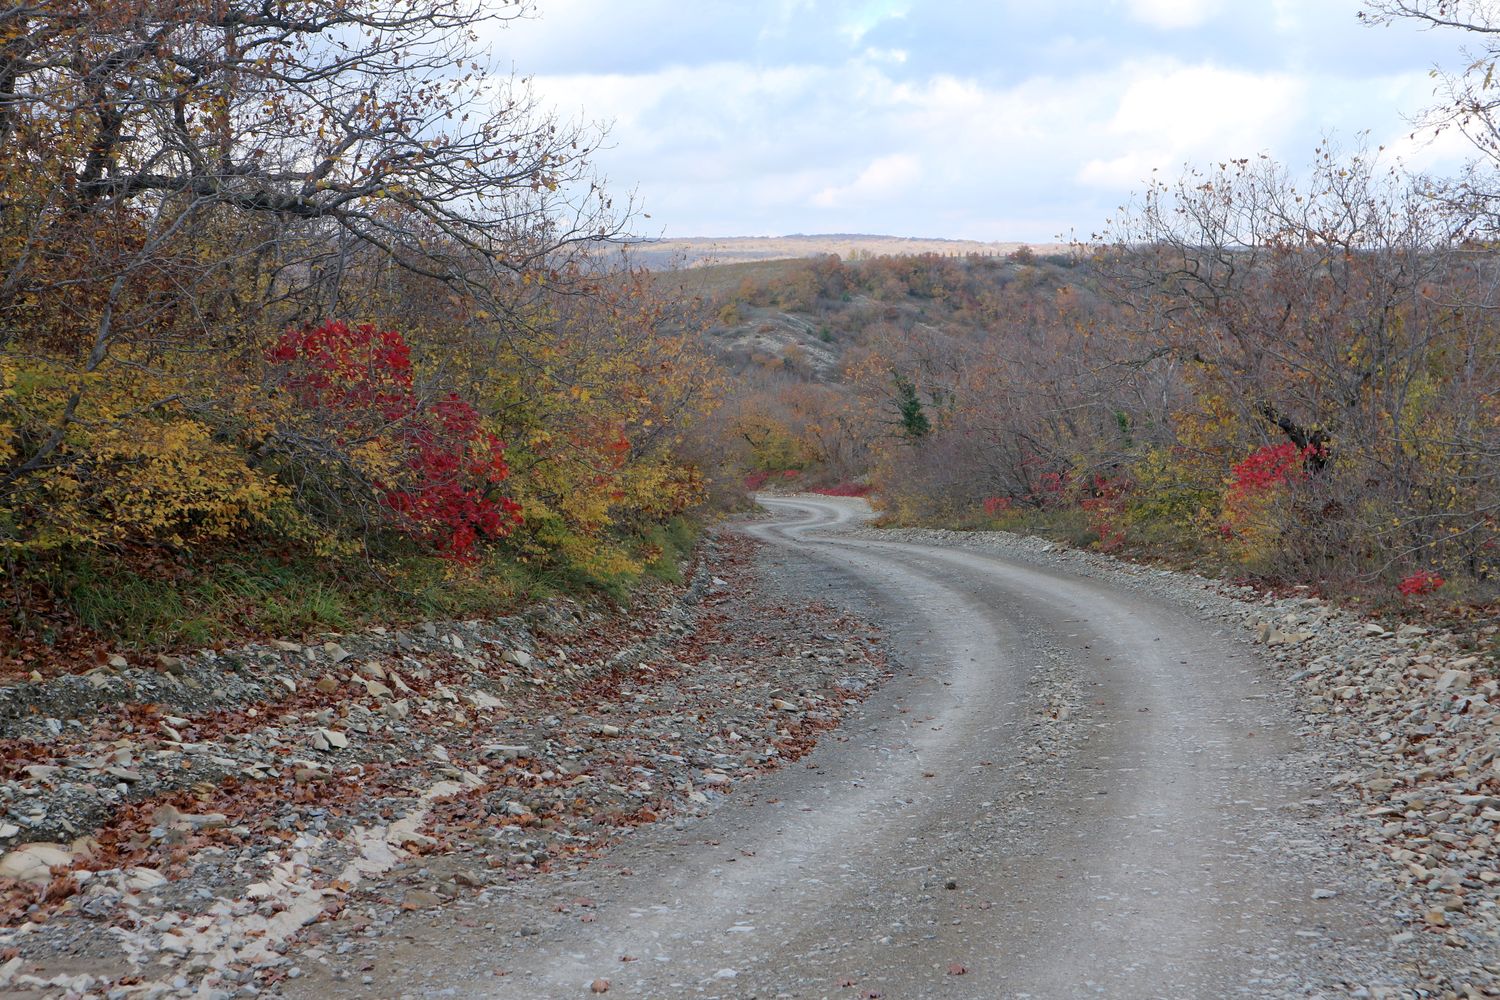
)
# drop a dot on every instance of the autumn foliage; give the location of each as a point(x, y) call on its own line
point(437, 471)
point(357, 308)
point(1291, 377)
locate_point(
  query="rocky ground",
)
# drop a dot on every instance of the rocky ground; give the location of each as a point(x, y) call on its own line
point(221, 824)
point(236, 820)
point(1406, 723)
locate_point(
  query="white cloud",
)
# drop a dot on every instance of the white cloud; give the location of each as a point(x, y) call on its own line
point(1168, 114)
point(886, 177)
point(1172, 14)
point(829, 138)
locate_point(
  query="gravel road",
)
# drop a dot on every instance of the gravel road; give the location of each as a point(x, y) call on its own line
point(1069, 789)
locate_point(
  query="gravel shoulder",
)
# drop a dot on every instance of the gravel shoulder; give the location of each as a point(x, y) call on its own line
point(239, 822)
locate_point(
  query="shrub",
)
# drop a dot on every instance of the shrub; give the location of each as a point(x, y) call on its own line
point(1420, 584)
point(431, 468)
point(848, 489)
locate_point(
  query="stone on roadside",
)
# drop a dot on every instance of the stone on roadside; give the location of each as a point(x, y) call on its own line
point(142, 879)
point(327, 740)
point(34, 862)
point(1453, 678)
point(169, 816)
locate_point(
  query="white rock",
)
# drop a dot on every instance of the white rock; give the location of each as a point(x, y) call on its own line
point(329, 739)
point(482, 700)
point(34, 862)
point(141, 879)
point(1453, 678)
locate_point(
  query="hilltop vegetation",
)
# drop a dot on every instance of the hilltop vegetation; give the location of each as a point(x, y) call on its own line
point(1296, 383)
point(709, 251)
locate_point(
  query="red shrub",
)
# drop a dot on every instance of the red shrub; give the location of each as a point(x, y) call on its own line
point(1420, 583)
point(847, 489)
point(359, 382)
point(1268, 467)
point(1052, 490)
point(994, 506)
point(1105, 506)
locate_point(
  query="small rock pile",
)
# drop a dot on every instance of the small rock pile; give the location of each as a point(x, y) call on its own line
point(1412, 721)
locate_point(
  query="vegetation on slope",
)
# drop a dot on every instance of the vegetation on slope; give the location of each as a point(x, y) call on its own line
point(1299, 383)
point(294, 334)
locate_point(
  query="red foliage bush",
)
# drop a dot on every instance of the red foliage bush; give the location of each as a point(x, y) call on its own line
point(1052, 490)
point(359, 380)
point(1270, 466)
point(1105, 506)
point(1420, 583)
point(845, 490)
point(755, 480)
point(994, 506)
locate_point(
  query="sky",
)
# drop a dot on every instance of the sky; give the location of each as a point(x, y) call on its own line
point(1010, 120)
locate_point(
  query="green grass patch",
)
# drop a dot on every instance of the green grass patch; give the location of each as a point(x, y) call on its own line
point(163, 603)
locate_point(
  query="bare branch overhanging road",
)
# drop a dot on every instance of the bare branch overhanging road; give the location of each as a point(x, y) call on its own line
point(1071, 790)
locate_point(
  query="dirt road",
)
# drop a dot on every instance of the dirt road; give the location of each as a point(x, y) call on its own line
point(1069, 790)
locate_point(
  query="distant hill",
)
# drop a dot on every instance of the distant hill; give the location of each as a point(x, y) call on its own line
point(794, 320)
point(710, 250)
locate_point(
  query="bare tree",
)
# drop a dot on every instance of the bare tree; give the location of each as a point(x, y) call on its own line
point(185, 175)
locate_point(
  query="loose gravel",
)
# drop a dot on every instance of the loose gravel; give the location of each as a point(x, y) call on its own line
point(233, 821)
point(1401, 725)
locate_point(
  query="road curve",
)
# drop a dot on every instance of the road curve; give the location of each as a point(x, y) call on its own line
point(1069, 790)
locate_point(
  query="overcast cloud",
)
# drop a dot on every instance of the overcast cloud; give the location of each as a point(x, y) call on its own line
point(994, 120)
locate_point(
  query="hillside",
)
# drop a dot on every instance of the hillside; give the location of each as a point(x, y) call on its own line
point(706, 251)
point(1042, 392)
point(800, 318)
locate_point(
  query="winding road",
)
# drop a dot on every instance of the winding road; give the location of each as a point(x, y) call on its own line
point(1070, 789)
